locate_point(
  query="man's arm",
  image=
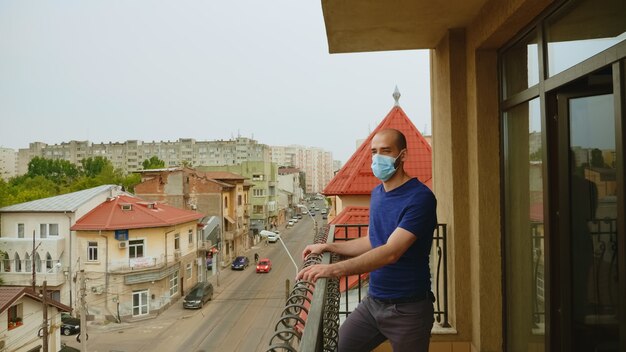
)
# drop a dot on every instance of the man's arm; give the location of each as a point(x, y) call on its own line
point(399, 241)
point(350, 248)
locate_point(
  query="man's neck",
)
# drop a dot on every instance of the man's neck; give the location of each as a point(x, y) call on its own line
point(397, 180)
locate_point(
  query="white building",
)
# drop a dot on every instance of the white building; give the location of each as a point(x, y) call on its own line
point(48, 220)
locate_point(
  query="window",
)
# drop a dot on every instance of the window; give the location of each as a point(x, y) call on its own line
point(18, 263)
point(20, 230)
point(189, 270)
point(258, 177)
point(257, 209)
point(177, 241)
point(258, 192)
point(239, 200)
point(226, 202)
point(173, 281)
point(190, 236)
point(135, 248)
point(46, 230)
point(15, 315)
point(140, 302)
point(92, 251)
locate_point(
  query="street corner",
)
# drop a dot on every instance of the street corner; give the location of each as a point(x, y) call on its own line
point(107, 326)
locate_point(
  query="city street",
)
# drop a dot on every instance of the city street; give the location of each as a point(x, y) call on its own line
point(241, 316)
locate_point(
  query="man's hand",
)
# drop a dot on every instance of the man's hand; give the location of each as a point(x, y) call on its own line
point(313, 248)
point(314, 272)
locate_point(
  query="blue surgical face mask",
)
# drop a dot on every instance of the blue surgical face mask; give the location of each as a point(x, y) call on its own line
point(384, 166)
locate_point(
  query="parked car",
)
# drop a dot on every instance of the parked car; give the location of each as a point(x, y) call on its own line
point(199, 294)
point(240, 263)
point(295, 219)
point(264, 266)
point(299, 216)
point(290, 223)
point(272, 238)
point(323, 211)
point(324, 216)
point(312, 213)
point(69, 324)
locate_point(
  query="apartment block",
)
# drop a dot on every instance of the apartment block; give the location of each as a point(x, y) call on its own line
point(316, 163)
point(129, 155)
point(8, 163)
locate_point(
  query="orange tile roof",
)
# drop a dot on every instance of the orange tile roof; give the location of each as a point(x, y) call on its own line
point(110, 215)
point(356, 176)
point(351, 215)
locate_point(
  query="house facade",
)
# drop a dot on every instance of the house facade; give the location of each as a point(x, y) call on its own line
point(138, 257)
point(221, 194)
point(262, 176)
point(48, 222)
point(21, 314)
point(528, 109)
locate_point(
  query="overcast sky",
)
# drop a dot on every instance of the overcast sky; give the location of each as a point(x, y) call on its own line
point(162, 70)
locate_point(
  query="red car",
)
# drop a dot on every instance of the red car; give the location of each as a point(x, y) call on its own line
point(264, 266)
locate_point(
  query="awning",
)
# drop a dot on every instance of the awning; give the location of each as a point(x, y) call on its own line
point(229, 219)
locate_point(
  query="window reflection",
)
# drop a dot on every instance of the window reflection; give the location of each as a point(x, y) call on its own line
point(524, 233)
point(520, 65)
point(582, 30)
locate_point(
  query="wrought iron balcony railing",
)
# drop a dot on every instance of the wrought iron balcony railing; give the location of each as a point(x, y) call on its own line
point(312, 315)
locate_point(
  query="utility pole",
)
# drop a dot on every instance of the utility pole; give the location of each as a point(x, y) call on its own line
point(44, 326)
point(83, 311)
point(32, 259)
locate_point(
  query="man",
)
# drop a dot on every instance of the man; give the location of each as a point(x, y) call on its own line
point(399, 305)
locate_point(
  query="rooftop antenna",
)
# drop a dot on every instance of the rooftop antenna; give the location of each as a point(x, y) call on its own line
point(396, 96)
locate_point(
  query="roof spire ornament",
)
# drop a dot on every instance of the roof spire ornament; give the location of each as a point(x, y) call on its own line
point(396, 97)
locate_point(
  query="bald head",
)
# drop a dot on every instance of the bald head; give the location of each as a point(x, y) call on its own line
point(395, 136)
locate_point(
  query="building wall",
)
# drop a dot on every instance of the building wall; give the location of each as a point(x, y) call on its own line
point(466, 164)
point(24, 337)
point(160, 256)
point(8, 163)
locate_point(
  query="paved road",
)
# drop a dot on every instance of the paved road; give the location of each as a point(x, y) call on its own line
point(241, 317)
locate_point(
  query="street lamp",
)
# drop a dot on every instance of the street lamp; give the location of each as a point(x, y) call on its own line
point(266, 233)
point(309, 212)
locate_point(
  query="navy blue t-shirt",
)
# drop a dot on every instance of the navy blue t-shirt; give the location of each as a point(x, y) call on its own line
point(412, 207)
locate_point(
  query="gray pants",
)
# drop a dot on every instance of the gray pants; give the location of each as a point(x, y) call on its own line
point(406, 325)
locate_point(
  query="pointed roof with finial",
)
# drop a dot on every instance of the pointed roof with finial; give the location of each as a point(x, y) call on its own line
point(356, 177)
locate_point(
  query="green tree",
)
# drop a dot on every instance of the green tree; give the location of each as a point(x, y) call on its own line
point(93, 166)
point(57, 170)
point(153, 163)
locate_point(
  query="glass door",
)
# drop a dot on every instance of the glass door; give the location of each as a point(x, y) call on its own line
point(588, 264)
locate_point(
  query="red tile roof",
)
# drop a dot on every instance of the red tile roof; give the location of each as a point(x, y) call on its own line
point(351, 215)
point(9, 295)
point(356, 176)
point(111, 216)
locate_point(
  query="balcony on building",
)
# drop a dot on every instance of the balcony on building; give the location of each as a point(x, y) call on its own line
point(312, 314)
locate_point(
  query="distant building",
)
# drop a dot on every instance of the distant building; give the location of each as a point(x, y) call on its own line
point(316, 163)
point(8, 163)
point(290, 192)
point(263, 176)
point(129, 156)
point(221, 194)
